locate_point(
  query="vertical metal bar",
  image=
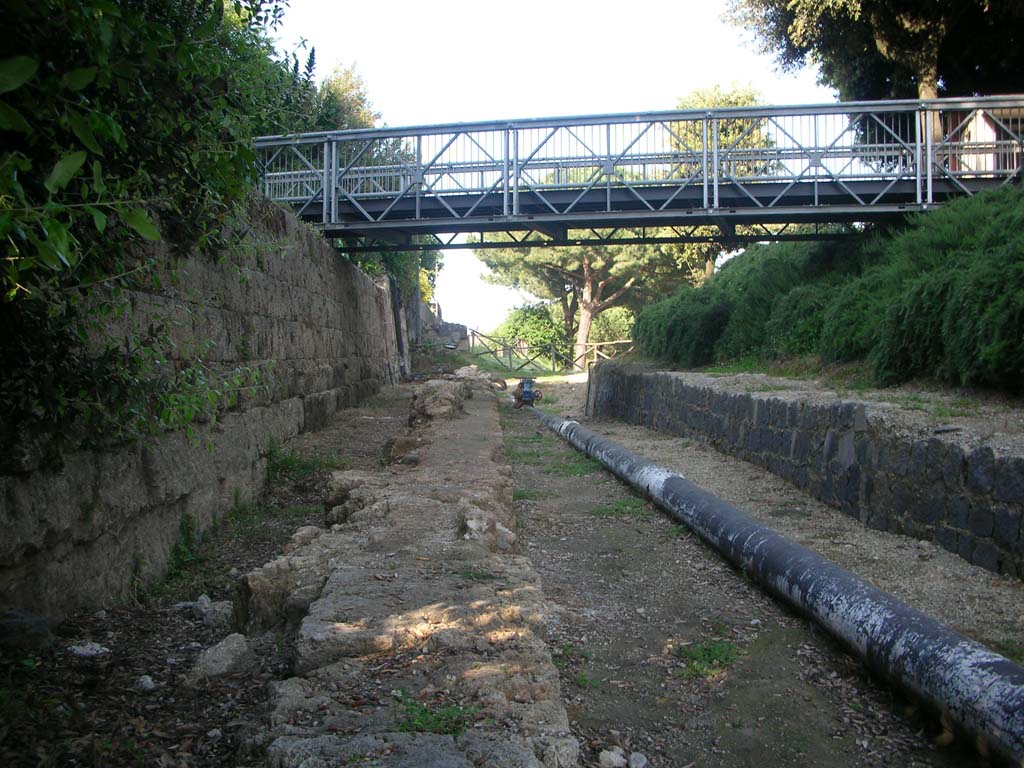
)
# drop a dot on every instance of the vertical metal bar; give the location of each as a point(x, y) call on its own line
point(916, 153)
point(607, 162)
point(419, 173)
point(334, 182)
point(323, 189)
point(704, 158)
point(929, 150)
point(817, 145)
point(504, 182)
point(715, 169)
point(516, 171)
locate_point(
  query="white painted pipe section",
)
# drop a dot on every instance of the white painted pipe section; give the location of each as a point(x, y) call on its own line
point(978, 688)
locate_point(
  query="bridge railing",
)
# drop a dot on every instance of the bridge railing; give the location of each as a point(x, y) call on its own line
point(760, 156)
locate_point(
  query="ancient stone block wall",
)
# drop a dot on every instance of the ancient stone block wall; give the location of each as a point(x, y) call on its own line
point(322, 335)
point(969, 501)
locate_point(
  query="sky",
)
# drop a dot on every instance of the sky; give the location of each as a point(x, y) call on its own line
point(466, 60)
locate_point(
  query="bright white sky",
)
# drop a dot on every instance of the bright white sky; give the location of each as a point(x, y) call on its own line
point(466, 60)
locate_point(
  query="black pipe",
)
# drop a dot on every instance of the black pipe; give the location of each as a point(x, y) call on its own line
point(978, 688)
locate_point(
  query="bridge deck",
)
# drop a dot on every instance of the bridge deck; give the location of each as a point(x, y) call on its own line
point(649, 177)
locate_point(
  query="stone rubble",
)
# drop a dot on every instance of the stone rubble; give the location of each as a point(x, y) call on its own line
point(230, 656)
point(412, 604)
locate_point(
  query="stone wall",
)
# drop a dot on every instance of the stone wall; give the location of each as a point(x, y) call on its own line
point(968, 500)
point(321, 333)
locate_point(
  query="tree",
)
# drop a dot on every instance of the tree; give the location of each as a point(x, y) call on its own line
point(688, 139)
point(342, 102)
point(586, 280)
point(874, 49)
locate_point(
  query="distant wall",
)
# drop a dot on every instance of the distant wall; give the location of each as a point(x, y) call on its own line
point(970, 503)
point(323, 335)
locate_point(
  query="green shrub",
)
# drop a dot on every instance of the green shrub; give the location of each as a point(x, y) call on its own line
point(794, 326)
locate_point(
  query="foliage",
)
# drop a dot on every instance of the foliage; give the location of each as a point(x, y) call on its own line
point(614, 324)
point(707, 659)
point(533, 324)
point(124, 123)
point(285, 464)
point(875, 49)
point(417, 717)
point(941, 299)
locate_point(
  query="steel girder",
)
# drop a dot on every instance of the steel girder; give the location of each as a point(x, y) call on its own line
point(851, 162)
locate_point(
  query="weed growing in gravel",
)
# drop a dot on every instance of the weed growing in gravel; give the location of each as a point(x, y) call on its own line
point(286, 465)
point(678, 530)
point(525, 494)
point(475, 575)
point(576, 466)
point(586, 682)
point(528, 456)
point(419, 718)
point(706, 659)
point(567, 653)
point(631, 506)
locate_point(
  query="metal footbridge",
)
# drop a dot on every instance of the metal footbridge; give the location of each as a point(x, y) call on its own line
point(737, 174)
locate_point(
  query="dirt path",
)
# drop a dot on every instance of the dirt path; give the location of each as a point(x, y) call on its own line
point(666, 650)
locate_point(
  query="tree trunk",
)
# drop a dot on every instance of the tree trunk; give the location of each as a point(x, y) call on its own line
point(583, 336)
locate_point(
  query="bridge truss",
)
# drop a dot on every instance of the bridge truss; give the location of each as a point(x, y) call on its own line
point(736, 174)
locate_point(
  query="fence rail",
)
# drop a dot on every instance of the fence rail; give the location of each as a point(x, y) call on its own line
point(836, 162)
point(517, 356)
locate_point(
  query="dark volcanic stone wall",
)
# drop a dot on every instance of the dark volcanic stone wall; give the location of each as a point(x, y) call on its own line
point(322, 335)
point(929, 487)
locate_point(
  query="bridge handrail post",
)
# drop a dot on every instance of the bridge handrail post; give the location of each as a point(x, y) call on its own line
point(704, 159)
point(516, 170)
point(715, 170)
point(324, 180)
point(929, 150)
point(505, 165)
point(419, 173)
point(334, 181)
point(922, 116)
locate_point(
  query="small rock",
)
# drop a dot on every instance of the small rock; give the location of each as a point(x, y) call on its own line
point(215, 733)
point(144, 683)
point(234, 574)
point(230, 656)
point(612, 758)
point(504, 539)
point(755, 622)
point(638, 760)
point(100, 615)
point(87, 650)
point(219, 615)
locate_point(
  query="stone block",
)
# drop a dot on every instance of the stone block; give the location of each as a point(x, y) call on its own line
point(1009, 479)
point(981, 521)
point(981, 465)
point(945, 538)
point(1006, 527)
point(986, 555)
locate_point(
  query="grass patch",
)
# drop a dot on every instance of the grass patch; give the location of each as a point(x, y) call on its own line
point(678, 530)
point(567, 652)
point(285, 464)
point(574, 467)
point(1011, 649)
point(527, 455)
point(417, 717)
point(706, 659)
point(632, 507)
point(583, 681)
point(471, 574)
point(525, 494)
point(187, 575)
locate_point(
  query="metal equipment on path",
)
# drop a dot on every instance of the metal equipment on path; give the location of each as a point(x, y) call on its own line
point(526, 393)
